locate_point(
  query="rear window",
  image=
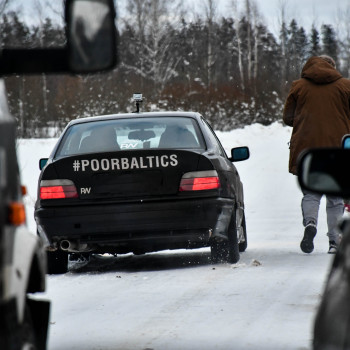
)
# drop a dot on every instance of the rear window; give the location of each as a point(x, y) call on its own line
point(131, 134)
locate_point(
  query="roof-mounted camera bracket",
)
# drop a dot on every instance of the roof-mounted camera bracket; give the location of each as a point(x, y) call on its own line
point(138, 99)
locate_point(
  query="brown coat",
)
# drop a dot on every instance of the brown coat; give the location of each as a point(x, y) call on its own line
point(318, 109)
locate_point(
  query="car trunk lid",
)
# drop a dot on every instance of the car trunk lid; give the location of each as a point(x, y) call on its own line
point(129, 174)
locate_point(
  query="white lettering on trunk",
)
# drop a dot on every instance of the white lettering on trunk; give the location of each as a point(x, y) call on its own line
point(115, 164)
point(95, 165)
point(84, 164)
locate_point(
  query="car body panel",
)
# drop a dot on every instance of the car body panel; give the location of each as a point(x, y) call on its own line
point(17, 271)
point(22, 254)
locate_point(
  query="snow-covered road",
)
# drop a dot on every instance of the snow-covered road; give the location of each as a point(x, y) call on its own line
point(178, 300)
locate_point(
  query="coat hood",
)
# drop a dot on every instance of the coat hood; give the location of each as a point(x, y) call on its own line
point(319, 71)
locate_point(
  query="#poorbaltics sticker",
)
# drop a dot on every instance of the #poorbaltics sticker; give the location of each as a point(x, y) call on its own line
point(115, 164)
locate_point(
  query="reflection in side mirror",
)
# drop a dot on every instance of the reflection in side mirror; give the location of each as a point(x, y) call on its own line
point(325, 171)
point(42, 163)
point(91, 35)
point(346, 141)
point(239, 153)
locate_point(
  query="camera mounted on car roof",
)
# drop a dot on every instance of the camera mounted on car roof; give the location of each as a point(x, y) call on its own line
point(137, 97)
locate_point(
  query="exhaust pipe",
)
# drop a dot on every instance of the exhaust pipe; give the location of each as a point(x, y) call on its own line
point(73, 246)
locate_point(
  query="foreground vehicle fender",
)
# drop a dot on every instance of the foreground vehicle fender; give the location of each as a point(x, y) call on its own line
point(21, 277)
point(23, 321)
point(332, 323)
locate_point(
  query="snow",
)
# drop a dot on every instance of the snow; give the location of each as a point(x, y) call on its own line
point(177, 299)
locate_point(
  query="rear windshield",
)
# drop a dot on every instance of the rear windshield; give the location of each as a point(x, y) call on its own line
point(131, 134)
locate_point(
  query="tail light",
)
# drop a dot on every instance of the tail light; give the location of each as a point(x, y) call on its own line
point(200, 181)
point(56, 189)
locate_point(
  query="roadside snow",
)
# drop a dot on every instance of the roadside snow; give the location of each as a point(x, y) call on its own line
point(178, 300)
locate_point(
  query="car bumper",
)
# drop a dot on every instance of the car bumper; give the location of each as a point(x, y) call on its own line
point(162, 225)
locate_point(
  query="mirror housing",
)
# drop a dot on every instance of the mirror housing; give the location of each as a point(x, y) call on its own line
point(91, 44)
point(239, 153)
point(91, 35)
point(325, 171)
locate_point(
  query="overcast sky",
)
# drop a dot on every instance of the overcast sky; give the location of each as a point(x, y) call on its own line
point(304, 11)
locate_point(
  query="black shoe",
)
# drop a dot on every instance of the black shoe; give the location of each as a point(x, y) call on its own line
point(307, 244)
point(333, 247)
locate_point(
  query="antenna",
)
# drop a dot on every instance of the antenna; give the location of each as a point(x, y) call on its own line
point(138, 99)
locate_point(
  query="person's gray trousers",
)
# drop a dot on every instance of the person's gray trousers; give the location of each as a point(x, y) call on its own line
point(310, 205)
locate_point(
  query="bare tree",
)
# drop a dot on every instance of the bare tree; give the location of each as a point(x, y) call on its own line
point(210, 7)
point(4, 6)
point(343, 33)
point(39, 10)
point(283, 43)
point(155, 20)
point(255, 23)
point(249, 38)
point(234, 7)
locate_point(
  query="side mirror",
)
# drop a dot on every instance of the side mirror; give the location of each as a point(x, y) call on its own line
point(239, 153)
point(91, 44)
point(325, 171)
point(42, 163)
point(91, 35)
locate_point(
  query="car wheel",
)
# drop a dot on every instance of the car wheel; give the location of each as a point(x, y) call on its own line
point(15, 336)
point(57, 262)
point(243, 245)
point(27, 333)
point(226, 250)
point(232, 243)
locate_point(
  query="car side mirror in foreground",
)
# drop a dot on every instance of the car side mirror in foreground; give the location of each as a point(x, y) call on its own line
point(325, 171)
point(239, 153)
point(91, 35)
point(91, 44)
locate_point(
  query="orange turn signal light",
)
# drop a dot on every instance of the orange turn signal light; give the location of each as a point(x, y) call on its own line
point(24, 190)
point(17, 213)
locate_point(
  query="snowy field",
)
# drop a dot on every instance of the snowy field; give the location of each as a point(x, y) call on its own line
point(177, 300)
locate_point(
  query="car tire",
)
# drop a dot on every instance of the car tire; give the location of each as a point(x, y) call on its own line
point(15, 336)
point(232, 243)
point(28, 332)
point(57, 262)
point(243, 245)
point(226, 250)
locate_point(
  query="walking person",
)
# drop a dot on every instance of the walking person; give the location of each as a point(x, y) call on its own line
point(318, 109)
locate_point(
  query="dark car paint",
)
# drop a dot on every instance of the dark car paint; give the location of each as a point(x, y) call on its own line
point(121, 221)
point(332, 320)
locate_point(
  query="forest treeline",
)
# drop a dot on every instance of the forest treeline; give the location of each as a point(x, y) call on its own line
point(230, 68)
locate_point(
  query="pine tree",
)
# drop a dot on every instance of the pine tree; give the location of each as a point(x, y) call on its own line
point(315, 48)
point(329, 42)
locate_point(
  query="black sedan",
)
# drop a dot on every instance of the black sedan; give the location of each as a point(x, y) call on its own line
point(140, 182)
